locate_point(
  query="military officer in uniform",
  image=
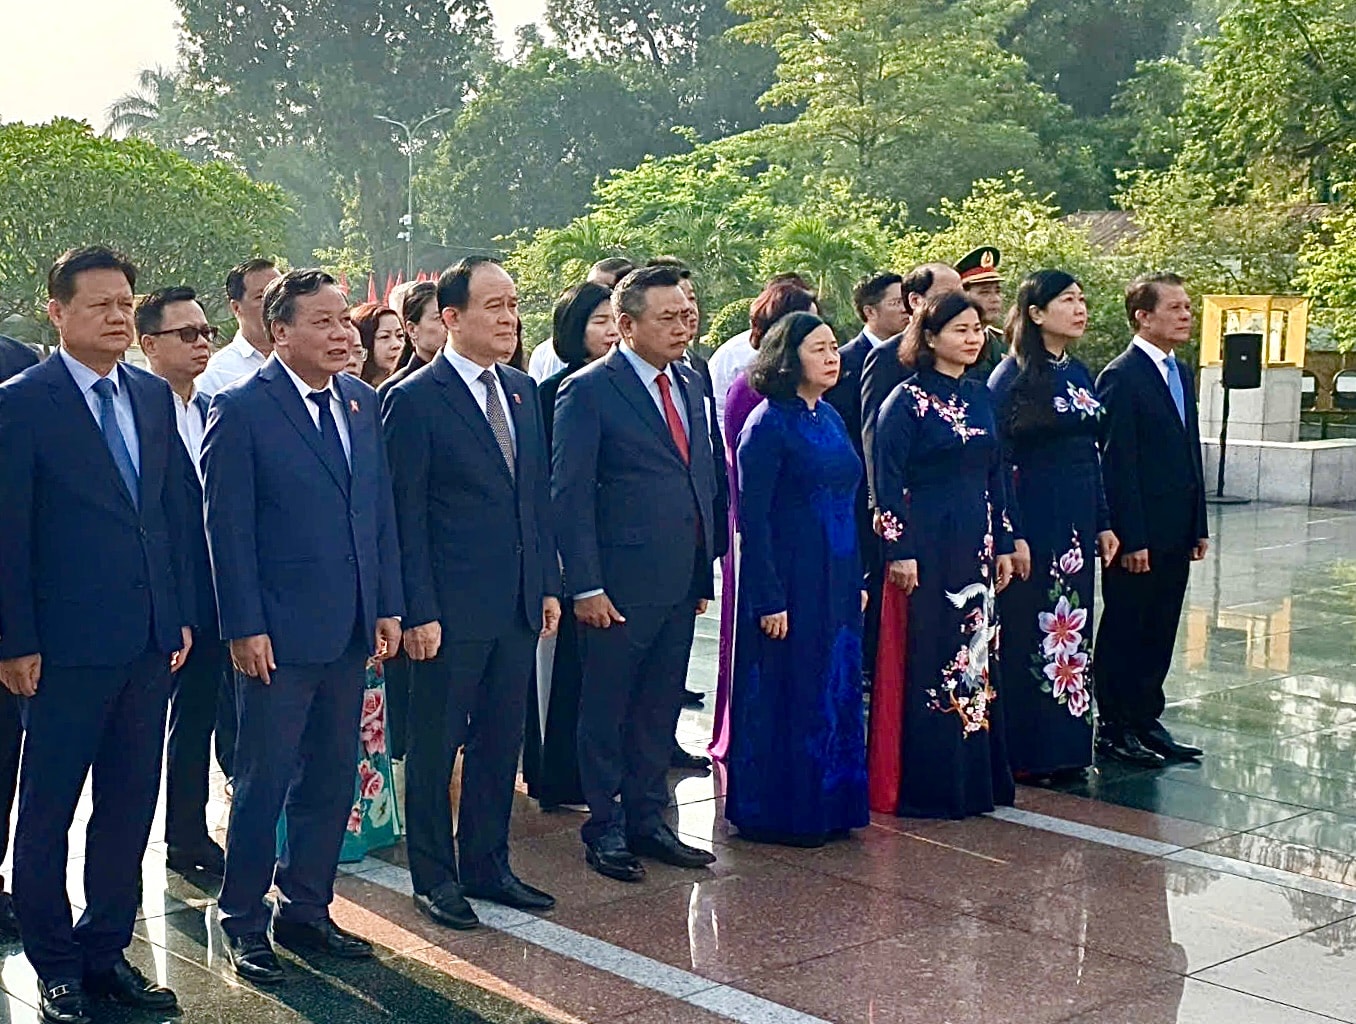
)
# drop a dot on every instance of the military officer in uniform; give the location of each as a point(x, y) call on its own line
point(981, 280)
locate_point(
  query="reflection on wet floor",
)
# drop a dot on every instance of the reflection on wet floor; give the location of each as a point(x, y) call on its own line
point(1224, 892)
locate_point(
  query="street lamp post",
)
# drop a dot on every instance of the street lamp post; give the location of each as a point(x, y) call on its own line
point(408, 219)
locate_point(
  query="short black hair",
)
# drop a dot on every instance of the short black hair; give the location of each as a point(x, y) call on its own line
point(777, 371)
point(454, 283)
point(684, 271)
point(629, 295)
point(150, 310)
point(1142, 293)
point(412, 309)
point(280, 297)
point(235, 280)
point(617, 266)
point(570, 320)
point(917, 281)
point(870, 290)
point(74, 262)
point(914, 350)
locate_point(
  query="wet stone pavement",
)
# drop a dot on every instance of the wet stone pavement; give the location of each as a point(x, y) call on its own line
point(1218, 892)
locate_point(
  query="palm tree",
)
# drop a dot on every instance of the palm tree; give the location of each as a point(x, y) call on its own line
point(141, 113)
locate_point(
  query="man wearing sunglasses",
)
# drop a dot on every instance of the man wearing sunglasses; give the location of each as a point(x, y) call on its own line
point(177, 339)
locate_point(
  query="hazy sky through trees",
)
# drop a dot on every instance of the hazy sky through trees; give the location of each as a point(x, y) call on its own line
point(74, 57)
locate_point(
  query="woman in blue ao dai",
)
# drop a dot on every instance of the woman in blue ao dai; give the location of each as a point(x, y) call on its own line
point(797, 754)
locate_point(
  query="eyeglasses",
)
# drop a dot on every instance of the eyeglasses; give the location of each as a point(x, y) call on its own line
point(190, 333)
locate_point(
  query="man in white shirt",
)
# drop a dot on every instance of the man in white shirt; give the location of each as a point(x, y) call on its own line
point(173, 332)
point(737, 353)
point(607, 272)
point(250, 348)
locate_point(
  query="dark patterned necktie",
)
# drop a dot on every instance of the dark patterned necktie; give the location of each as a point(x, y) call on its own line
point(494, 412)
point(329, 432)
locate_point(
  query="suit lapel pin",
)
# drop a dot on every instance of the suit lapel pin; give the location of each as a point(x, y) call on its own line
point(353, 405)
point(517, 398)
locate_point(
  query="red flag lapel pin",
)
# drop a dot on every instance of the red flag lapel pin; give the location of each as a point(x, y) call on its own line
point(517, 398)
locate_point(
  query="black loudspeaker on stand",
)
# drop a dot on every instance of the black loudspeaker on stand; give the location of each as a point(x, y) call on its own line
point(1242, 372)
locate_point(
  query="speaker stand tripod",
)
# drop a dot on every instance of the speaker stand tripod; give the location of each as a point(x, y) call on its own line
point(1219, 497)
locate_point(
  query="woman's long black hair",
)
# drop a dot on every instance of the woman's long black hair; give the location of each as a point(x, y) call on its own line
point(1032, 401)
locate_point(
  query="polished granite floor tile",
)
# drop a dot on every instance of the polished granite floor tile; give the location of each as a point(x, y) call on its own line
point(726, 928)
point(1175, 831)
point(1313, 972)
point(961, 971)
point(1255, 848)
point(1179, 799)
point(1176, 917)
point(1319, 830)
point(1196, 1002)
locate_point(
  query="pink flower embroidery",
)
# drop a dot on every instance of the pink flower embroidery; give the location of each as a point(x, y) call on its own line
point(370, 781)
point(1063, 629)
point(373, 728)
point(1078, 701)
point(890, 527)
point(1082, 401)
point(1065, 672)
point(1061, 404)
point(355, 819)
point(1071, 561)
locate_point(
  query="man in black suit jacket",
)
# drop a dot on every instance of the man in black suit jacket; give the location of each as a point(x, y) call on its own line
point(881, 370)
point(15, 357)
point(634, 491)
point(95, 614)
point(302, 533)
point(879, 301)
point(1151, 466)
point(471, 476)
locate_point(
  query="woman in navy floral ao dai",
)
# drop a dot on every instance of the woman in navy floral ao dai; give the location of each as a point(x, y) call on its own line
point(936, 731)
point(797, 754)
point(1048, 421)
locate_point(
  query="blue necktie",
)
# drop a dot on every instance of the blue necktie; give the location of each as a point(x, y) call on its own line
point(1175, 387)
point(329, 433)
point(117, 444)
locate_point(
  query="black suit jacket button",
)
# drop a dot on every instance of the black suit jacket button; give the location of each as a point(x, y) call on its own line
point(352, 560)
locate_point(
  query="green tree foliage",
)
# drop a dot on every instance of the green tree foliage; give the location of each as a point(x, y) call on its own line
point(913, 99)
point(318, 74)
point(1276, 104)
point(1083, 50)
point(526, 152)
point(182, 223)
point(1327, 271)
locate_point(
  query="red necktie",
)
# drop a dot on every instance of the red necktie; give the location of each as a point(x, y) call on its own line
point(671, 414)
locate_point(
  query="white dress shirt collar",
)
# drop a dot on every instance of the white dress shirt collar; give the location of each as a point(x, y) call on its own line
point(85, 378)
point(467, 369)
point(245, 350)
point(871, 338)
point(305, 389)
point(1155, 353)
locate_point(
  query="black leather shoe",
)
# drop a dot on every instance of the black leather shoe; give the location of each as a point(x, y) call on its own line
point(693, 698)
point(1160, 741)
point(450, 911)
point(206, 857)
point(321, 937)
point(663, 845)
point(610, 858)
point(63, 1003)
point(512, 891)
point(680, 758)
point(1126, 747)
point(124, 984)
point(253, 959)
point(9, 920)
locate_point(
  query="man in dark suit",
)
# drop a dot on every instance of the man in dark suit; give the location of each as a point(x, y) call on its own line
point(303, 540)
point(634, 491)
point(175, 335)
point(879, 301)
point(471, 475)
point(881, 371)
point(1151, 465)
point(95, 615)
point(15, 357)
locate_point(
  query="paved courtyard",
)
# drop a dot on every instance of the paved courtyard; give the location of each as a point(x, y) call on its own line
point(1223, 893)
